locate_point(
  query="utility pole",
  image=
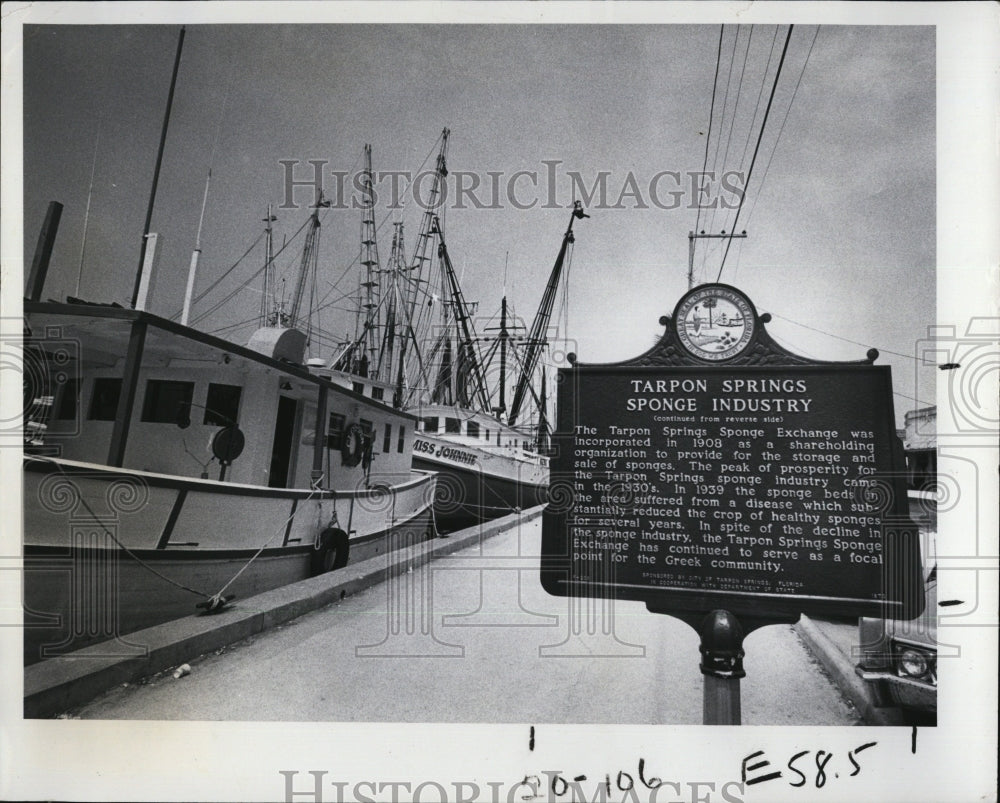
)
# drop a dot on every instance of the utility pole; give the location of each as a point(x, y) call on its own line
point(702, 236)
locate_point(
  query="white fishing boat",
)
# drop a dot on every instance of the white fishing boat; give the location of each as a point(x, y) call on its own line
point(167, 469)
point(485, 468)
point(170, 468)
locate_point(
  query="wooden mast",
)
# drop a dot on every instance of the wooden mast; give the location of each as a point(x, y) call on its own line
point(156, 170)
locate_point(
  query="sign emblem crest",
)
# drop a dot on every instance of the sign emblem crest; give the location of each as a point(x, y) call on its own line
point(715, 322)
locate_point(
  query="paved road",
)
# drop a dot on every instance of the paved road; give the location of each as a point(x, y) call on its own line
point(476, 639)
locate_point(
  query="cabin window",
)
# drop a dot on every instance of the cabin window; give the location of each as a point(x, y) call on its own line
point(378, 393)
point(165, 398)
point(431, 424)
point(358, 387)
point(222, 406)
point(487, 436)
point(473, 429)
point(68, 400)
point(387, 440)
point(104, 402)
point(453, 425)
point(922, 468)
point(335, 431)
point(401, 441)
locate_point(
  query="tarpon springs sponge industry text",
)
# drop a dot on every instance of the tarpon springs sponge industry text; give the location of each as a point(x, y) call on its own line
point(736, 400)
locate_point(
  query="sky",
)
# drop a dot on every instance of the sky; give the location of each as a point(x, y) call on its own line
point(839, 210)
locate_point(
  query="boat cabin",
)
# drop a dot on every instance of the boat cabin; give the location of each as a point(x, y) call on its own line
point(131, 389)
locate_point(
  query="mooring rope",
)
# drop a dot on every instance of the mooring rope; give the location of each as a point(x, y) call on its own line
point(214, 600)
point(114, 538)
point(217, 596)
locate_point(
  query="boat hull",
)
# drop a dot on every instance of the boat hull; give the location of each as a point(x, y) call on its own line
point(467, 496)
point(108, 552)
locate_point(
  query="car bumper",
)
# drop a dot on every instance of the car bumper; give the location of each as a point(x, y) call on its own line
point(904, 692)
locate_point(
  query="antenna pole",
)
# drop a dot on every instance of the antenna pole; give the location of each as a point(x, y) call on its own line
point(86, 214)
point(195, 255)
point(266, 299)
point(503, 357)
point(156, 170)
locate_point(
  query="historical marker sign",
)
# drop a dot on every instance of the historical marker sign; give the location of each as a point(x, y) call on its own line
point(719, 471)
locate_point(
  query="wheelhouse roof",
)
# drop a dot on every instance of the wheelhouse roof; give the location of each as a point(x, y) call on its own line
point(114, 329)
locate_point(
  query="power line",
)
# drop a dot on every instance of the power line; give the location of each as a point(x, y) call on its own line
point(711, 114)
point(722, 119)
point(763, 178)
point(913, 398)
point(846, 339)
point(756, 149)
point(760, 94)
point(736, 107)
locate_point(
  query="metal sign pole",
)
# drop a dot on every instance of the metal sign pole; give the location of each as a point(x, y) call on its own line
point(722, 667)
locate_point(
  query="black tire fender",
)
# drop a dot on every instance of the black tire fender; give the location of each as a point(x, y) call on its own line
point(331, 550)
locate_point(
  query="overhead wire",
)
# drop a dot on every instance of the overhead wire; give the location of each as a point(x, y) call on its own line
point(711, 115)
point(732, 123)
point(760, 94)
point(917, 360)
point(845, 339)
point(756, 150)
point(784, 120)
point(722, 119)
point(736, 106)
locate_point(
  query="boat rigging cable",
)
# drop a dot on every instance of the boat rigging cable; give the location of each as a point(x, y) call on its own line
point(431, 228)
point(753, 160)
point(536, 338)
point(389, 363)
point(214, 284)
point(385, 218)
point(281, 529)
point(246, 284)
point(114, 538)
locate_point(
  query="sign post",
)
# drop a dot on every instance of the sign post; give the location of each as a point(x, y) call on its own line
point(728, 482)
point(721, 667)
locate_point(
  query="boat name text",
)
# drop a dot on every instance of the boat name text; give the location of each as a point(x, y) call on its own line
point(445, 452)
